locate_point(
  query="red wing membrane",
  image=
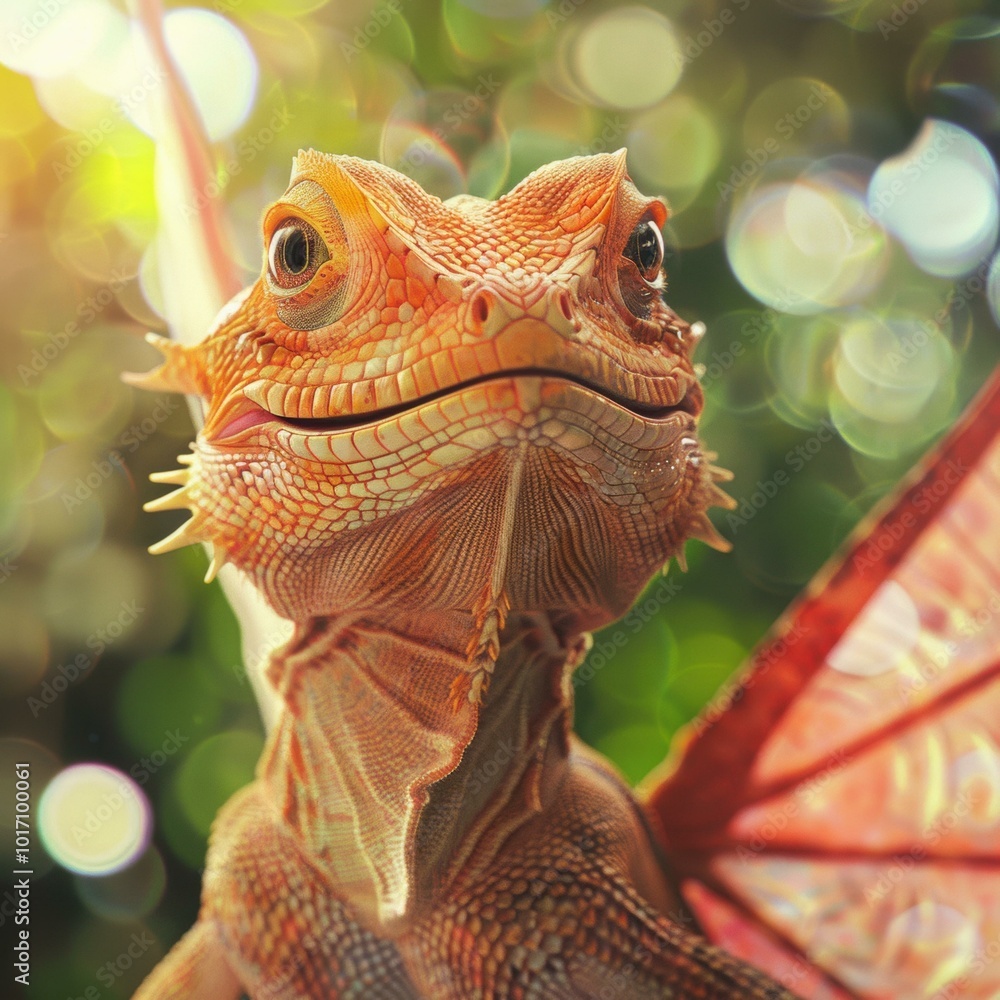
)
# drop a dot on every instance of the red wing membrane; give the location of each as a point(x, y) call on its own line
point(834, 817)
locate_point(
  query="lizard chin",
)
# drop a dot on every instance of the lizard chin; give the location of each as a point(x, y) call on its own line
point(339, 518)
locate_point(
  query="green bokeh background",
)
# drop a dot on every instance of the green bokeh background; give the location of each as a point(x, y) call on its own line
point(77, 446)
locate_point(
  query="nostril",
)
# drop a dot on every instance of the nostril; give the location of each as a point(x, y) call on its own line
point(565, 305)
point(481, 307)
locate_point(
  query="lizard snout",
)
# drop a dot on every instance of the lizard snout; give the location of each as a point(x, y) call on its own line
point(492, 308)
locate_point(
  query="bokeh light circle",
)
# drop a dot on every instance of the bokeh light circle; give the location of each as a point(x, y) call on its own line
point(993, 288)
point(449, 141)
point(93, 819)
point(939, 199)
point(218, 66)
point(798, 355)
point(212, 771)
point(946, 940)
point(893, 382)
point(675, 146)
point(504, 8)
point(955, 73)
point(805, 246)
point(823, 8)
point(796, 113)
point(127, 894)
point(55, 38)
point(888, 369)
point(422, 154)
point(869, 652)
point(628, 57)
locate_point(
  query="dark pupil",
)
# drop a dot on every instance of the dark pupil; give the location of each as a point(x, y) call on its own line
point(295, 251)
point(644, 248)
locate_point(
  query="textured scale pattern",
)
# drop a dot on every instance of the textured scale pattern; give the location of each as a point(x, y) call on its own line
point(558, 917)
point(458, 440)
point(445, 460)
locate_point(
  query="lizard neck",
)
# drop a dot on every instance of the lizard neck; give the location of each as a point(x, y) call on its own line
point(395, 788)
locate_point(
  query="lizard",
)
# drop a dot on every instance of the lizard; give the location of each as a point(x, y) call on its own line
point(447, 440)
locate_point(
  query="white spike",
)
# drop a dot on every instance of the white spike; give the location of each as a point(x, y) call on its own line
point(186, 534)
point(175, 477)
point(161, 343)
point(720, 498)
point(703, 529)
point(681, 559)
point(217, 562)
point(170, 501)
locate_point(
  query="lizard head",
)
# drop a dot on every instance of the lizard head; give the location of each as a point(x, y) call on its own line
point(418, 398)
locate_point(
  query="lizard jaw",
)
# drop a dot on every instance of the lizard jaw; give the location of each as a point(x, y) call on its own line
point(254, 415)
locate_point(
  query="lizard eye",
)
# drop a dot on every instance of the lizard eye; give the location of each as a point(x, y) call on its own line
point(295, 253)
point(645, 249)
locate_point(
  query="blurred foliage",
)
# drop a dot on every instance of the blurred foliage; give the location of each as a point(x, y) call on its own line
point(830, 167)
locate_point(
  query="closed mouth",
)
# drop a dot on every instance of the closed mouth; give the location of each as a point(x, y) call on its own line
point(349, 421)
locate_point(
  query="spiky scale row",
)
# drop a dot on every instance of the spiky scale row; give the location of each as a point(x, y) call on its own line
point(190, 532)
point(179, 372)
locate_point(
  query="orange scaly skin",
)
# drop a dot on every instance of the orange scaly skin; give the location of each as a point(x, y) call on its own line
point(447, 441)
